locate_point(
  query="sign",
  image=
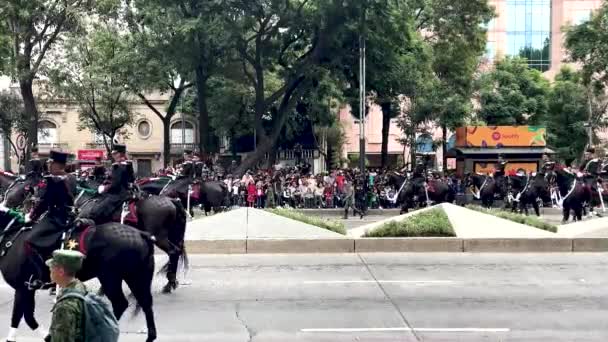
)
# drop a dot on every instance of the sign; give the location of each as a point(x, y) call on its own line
point(511, 167)
point(21, 141)
point(91, 155)
point(501, 136)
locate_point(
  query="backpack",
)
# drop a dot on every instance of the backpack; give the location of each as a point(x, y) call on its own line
point(100, 325)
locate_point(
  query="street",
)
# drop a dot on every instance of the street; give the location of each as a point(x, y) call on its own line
point(375, 297)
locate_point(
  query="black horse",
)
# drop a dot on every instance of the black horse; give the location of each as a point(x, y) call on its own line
point(528, 191)
point(571, 190)
point(19, 191)
point(484, 188)
point(415, 193)
point(162, 217)
point(115, 253)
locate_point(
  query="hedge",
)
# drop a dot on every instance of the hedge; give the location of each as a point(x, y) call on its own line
point(433, 222)
point(334, 226)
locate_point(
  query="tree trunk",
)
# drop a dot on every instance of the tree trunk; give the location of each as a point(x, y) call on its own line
point(265, 145)
point(203, 113)
point(412, 139)
point(386, 124)
point(31, 114)
point(444, 146)
point(166, 140)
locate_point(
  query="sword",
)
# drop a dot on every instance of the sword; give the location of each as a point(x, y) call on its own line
point(188, 201)
point(599, 191)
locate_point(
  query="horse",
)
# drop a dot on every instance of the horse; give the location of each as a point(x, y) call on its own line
point(571, 191)
point(417, 192)
point(209, 194)
point(6, 179)
point(19, 191)
point(160, 216)
point(486, 188)
point(115, 253)
point(528, 190)
point(405, 192)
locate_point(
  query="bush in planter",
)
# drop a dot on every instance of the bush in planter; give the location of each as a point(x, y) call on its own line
point(429, 223)
point(519, 218)
point(334, 226)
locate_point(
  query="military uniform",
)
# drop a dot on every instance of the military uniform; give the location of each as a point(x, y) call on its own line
point(56, 199)
point(113, 195)
point(35, 167)
point(349, 200)
point(67, 323)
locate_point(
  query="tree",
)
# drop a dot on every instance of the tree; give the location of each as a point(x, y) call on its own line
point(291, 40)
point(89, 72)
point(156, 50)
point(567, 114)
point(11, 117)
point(588, 46)
point(33, 27)
point(513, 94)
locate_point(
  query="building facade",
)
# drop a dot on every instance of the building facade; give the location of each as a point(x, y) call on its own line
point(528, 28)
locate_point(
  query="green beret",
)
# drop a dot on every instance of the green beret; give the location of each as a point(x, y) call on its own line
point(69, 260)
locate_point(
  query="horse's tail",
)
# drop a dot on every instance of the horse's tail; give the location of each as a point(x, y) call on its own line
point(180, 229)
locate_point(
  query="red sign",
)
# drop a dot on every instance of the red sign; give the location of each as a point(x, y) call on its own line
point(91, 155)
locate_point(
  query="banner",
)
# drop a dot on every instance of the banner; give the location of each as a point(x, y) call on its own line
point(91, 155)
point(501, 136)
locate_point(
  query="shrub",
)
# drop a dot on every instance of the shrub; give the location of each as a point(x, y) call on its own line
point(433, 222)
point(334, 226)
point(527, 220)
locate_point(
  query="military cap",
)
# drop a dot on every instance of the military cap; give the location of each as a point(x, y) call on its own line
point(58, 157)
point(35, 149)
point(119, 148)
point(67, 259)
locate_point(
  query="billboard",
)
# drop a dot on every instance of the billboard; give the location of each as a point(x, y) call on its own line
point(501, 136)
point(511, 167)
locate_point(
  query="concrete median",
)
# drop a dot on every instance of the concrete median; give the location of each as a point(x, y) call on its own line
point(379, 245)
point(517, 245)
point(236, 246)
point(590, 245)
point(300, 246)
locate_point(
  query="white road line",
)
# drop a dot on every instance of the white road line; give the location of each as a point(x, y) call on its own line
point(313, 282)
point(439, 330)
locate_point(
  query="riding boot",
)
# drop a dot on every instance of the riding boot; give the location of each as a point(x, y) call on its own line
point(40, 279)
point(346, 213)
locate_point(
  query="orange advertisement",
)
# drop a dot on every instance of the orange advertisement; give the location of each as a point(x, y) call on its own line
point(511, 167)
point(501, 136)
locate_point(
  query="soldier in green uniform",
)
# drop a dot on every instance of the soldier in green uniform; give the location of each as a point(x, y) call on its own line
point(67, 323)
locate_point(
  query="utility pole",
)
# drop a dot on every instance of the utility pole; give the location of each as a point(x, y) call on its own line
point(362, 105)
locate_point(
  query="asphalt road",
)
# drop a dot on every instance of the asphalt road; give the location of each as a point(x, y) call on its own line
point(381, 297)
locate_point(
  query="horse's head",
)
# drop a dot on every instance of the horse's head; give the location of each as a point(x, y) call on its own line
point(394, 179)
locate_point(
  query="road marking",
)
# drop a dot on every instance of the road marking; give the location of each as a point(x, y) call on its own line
point(472, 330)
point(312, 282)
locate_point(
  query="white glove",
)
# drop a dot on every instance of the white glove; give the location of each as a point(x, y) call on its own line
point(28, 218)
point(4, 208)
point(101, 189)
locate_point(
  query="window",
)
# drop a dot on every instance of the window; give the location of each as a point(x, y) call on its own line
point(144, 128)
point(47, 132)
point(424, 143)
point(529, 31)
point(490, 51)
point(176, 133)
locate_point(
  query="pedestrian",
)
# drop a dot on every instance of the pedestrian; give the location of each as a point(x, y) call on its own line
point(68, 314)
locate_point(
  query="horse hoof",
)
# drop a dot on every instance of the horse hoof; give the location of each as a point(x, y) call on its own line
point(166, 289)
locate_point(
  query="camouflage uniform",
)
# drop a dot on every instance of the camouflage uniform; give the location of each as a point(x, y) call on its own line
point(67, 324)
point(68, 316)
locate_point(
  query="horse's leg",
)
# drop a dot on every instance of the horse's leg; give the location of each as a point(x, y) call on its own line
point(173, 253)
point(565, 212)
point(536, 208)
point(141, 288)
point(112, 286)
point(29, 309)
point(16, 316)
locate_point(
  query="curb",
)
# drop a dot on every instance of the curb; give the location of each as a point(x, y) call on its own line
point(397, 245)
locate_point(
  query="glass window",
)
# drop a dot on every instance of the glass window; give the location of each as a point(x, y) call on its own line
point(529, 31)
point(490, 50)
point(47, 132)
point(580, 16)
point(176, 133)
point(144, 129)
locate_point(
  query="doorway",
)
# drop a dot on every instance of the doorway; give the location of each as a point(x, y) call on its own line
point(144, 167)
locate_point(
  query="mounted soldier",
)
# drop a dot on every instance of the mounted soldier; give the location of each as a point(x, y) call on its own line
point(500, 175)
point(99, 171)
point(113, 195)
point(54, 211)
point(35, 167)
point(547, 164)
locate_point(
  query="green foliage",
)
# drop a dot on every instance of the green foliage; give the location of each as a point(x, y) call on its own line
point(90, 72)
point(568, 112)
point(334, 226)
point(513, 94)
point(588, 45)
point(433, 222)
point(527, 220)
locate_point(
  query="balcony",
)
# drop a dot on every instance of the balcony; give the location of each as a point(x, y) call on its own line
point(47, 147)
point(179, 148)
point(291, 154)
